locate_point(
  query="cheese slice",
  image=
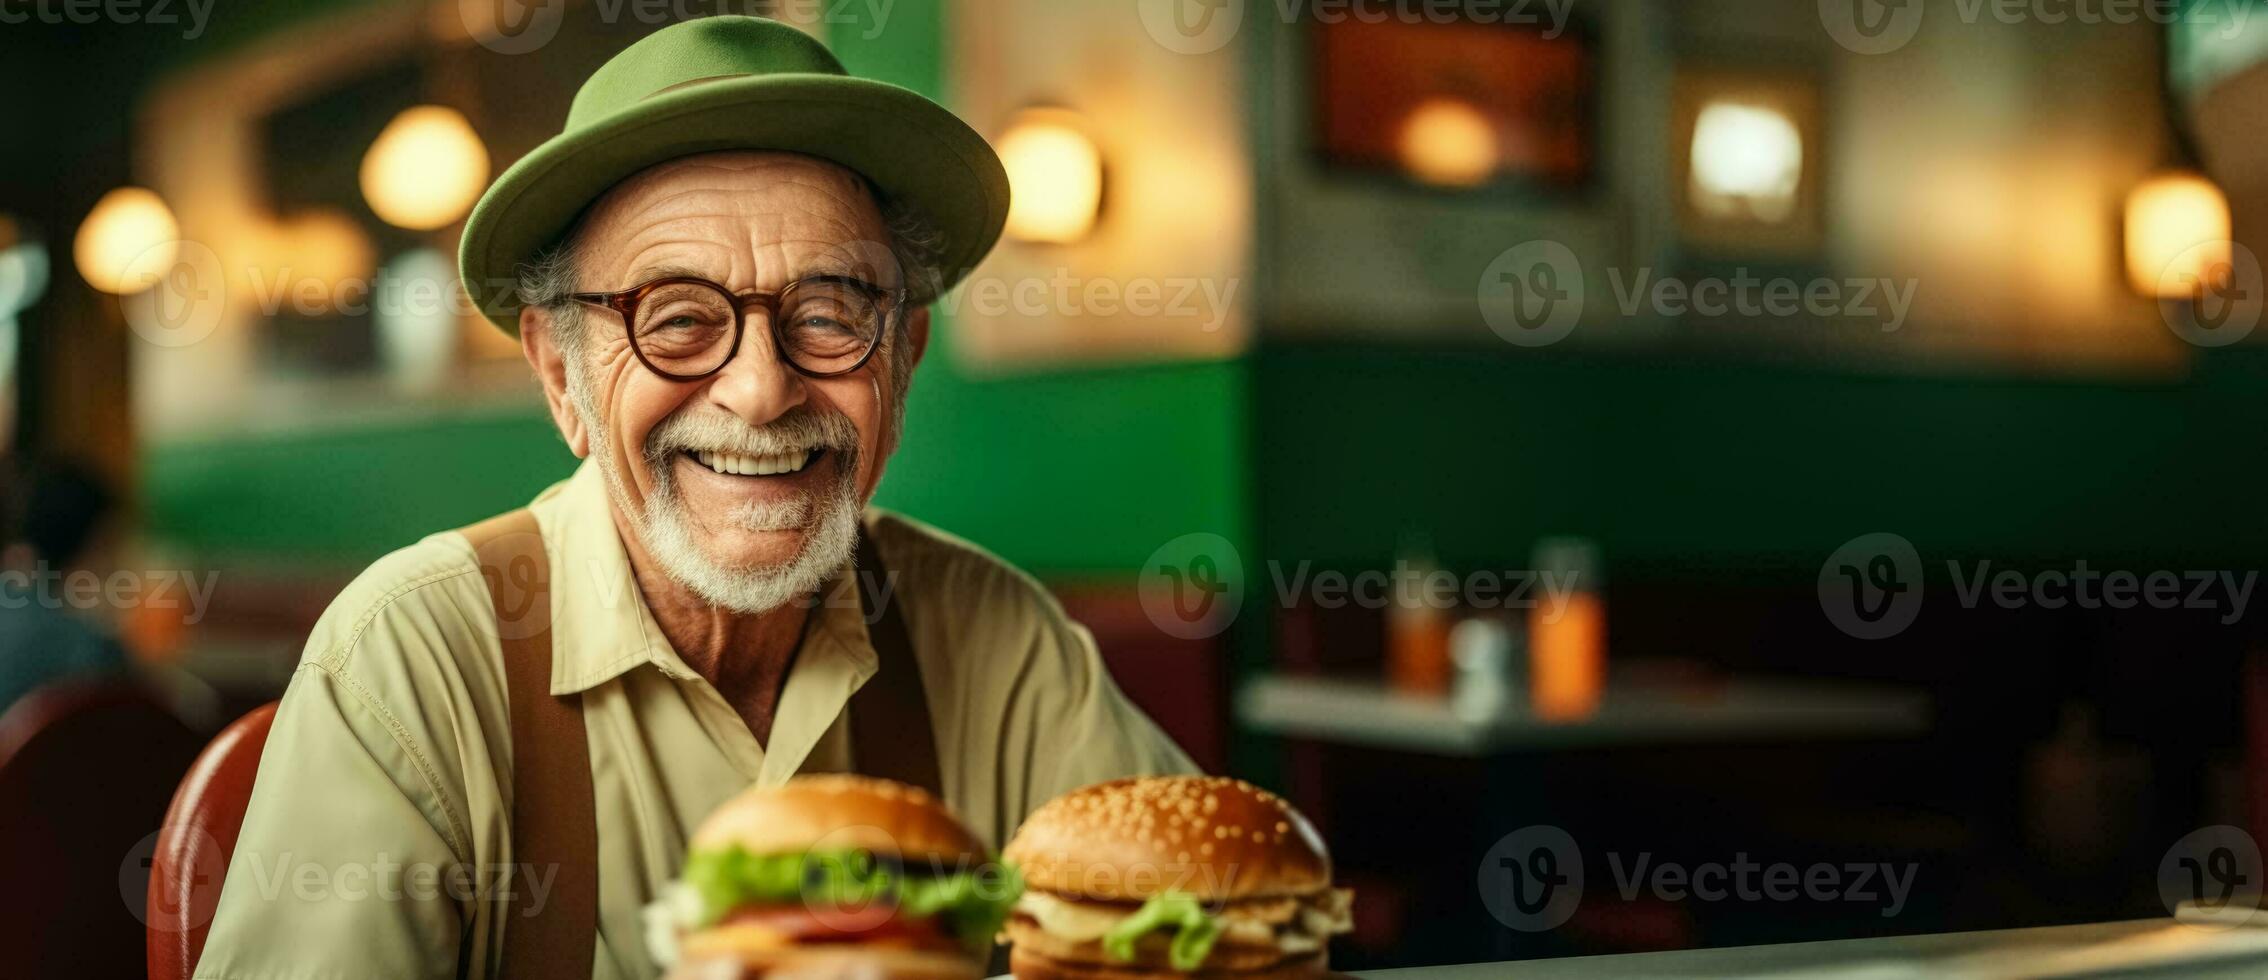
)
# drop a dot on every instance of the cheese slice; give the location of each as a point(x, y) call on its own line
point(1073, 921)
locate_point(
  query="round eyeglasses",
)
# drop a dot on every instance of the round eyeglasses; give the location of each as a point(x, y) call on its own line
point(685, 328)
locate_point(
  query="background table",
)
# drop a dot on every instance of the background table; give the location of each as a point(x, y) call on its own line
point(1362, 712)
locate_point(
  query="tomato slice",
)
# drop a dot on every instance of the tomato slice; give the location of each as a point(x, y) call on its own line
point(875, 924)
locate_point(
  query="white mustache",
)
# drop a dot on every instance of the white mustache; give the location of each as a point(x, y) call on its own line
point(797, 432)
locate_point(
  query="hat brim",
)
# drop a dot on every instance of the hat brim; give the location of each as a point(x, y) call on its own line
point(911, 148)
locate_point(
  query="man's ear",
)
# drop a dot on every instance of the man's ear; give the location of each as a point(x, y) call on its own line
point(551, 367)
point(917, 333)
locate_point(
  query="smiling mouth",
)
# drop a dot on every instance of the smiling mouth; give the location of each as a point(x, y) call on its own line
point(738, 464)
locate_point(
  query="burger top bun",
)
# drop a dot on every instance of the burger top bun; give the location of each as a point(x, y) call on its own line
point(838, 812)
point(1213, 838)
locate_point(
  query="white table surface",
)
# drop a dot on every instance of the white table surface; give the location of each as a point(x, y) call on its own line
point(1358, 712)
point(2149, 948)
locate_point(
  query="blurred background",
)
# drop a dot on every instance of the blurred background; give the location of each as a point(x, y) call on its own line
point(1801, 431)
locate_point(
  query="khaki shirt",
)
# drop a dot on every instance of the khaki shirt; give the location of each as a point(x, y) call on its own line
point(380, 823)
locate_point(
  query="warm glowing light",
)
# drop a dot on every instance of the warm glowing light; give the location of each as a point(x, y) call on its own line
point(127, 242)
point(321, 258)
point(2177, 236)
point(1054, 176)
point(1447, 141)
point(1747, 162)
point(425, 169)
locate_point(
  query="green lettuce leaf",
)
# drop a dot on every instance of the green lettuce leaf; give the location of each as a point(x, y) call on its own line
point(1194, 930)
point(971, 904)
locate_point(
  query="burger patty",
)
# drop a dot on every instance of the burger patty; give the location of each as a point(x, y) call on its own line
point(1293, 924)
point(1151, 952)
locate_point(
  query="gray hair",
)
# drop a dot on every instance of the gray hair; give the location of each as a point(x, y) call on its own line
point(914, 243)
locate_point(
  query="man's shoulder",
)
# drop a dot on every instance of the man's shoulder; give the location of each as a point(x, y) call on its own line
point(936, 569)
point(425, 589)
point(930, 558)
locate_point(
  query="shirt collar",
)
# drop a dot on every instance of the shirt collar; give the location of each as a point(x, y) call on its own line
point(602, 627)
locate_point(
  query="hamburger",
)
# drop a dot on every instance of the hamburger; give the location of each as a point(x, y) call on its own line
point(836, 877)
point(1202, 877)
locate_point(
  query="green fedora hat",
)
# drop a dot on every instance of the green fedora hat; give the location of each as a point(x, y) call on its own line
point(732, 83)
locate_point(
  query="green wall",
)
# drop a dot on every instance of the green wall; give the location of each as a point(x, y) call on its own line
point(1709, 466)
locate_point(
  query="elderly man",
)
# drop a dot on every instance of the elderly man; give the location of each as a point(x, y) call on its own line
point(500, 739)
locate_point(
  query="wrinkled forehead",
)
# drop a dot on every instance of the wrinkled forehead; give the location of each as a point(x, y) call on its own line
point(752, 220)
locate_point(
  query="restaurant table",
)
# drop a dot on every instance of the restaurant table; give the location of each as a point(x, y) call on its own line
point(1369, 714)
point(2146, 948)
point(1525, 761)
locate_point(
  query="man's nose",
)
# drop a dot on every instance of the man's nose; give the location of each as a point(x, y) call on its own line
point(758, 385)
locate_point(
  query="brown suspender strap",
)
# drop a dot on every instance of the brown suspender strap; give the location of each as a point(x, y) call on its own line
point(554, 821)
point(890, 728)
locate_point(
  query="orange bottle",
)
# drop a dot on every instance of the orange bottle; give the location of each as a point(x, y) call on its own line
point(1567, 631)
point(1417, 628)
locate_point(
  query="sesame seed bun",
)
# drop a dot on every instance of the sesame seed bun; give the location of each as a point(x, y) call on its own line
point(839, 812)
point(1215, 839)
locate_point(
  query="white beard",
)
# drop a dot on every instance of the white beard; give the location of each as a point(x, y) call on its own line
point(830, 527)
point(828, 517)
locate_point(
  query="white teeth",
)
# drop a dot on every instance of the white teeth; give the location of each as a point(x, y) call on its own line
point(739, 465)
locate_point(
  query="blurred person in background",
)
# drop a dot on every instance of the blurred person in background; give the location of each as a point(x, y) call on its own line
point(720, 272)
point(60, 520)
